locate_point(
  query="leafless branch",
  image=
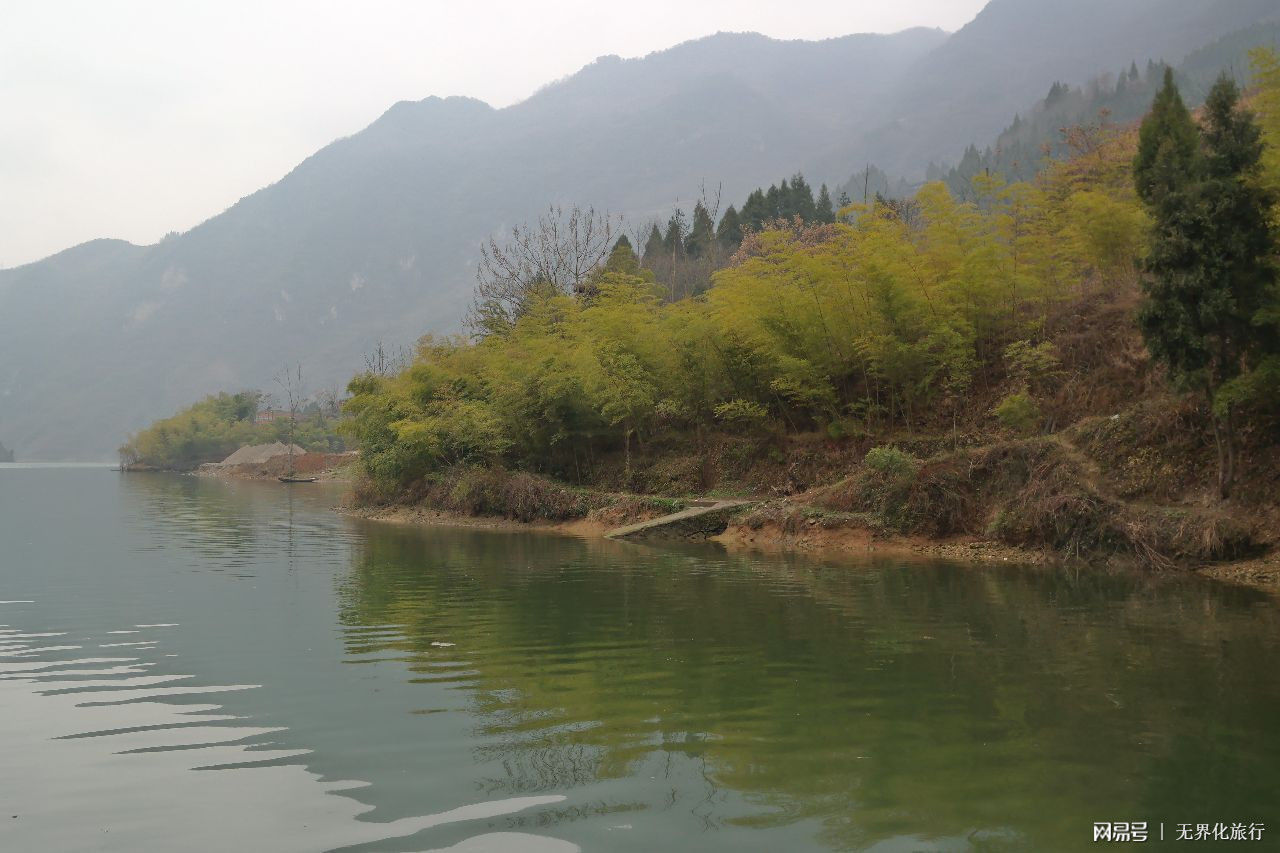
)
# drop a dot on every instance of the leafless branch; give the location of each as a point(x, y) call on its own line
point(555, 254)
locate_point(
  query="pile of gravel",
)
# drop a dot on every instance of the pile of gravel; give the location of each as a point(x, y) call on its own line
point(257, 454)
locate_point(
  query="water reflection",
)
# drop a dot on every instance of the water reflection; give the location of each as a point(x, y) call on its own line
point(873, 707)
point(189, 664)
point(231, 523)
point(119, 734)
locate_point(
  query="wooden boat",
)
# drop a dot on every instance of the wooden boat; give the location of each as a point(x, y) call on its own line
point(297, 479)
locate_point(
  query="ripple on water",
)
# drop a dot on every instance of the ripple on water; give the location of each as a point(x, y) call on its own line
point(119, 748)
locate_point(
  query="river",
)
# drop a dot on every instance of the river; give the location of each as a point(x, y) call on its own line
point(188, 664)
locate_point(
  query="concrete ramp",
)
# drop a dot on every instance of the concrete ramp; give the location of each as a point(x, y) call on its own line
point(702, 520)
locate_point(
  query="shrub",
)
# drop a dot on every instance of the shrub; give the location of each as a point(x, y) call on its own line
point(744, 415)
point(1018, 412)
point(891, 462)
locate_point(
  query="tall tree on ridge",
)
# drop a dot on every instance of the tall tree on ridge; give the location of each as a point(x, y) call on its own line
point(673, 239)
point(1210, 267)
point(826, 212)
point(729, 232)
point(701, 233)
point(652, 247)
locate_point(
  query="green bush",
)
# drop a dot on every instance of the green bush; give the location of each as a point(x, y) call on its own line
point(891, 462)
point(1018, 412)
point(743, 415)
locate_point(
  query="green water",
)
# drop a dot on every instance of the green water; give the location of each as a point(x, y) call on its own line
point(188, 665)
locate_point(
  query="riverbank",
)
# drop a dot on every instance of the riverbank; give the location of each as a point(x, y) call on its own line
point(824, 540)
point(737, 536)
point(1130, 490)
point(324, 467)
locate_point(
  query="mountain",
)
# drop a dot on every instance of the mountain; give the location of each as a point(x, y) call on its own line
point(967, 89)
point(374, 237)
point(1119, 98)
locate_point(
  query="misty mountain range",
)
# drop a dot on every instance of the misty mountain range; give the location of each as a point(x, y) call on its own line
point(374, 237)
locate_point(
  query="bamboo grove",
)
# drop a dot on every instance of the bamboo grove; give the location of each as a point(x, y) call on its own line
point(880, 322)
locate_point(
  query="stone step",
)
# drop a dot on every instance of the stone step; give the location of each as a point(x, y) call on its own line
point(701, 520)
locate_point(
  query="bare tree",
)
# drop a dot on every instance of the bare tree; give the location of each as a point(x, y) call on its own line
point(713, 207)
point(556, 254)
point(290, 381)
point(330, 402)
point(382, 362)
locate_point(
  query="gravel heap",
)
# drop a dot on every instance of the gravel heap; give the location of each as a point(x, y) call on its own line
point(256, 454)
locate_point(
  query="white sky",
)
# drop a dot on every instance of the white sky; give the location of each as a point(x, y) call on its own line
point(131, 119)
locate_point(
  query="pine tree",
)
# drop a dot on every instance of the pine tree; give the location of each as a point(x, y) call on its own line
point(623, 258)
point(775, 201)
point(1210, 265)
point(801, 199)
point(702, 232)
point(673, 239)
point(754, 211)
point(826, 212)
point(729, 232)
point(652, 247)
point(1168, 146)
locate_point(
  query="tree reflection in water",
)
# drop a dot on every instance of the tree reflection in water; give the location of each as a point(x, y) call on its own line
point(999, 708)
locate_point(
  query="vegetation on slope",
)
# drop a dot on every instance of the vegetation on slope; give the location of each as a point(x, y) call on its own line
point(1020, 150)
point(955, 329)
point(861, 327)
point(212, 429)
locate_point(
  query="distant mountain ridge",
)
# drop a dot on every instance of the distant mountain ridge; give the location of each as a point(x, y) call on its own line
point(1008, 55)
point(374, 237)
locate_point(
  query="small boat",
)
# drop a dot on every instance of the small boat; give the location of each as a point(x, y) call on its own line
point(297, 479)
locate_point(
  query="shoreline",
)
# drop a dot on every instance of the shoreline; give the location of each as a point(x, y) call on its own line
point(839, 544)
point(842, 542)
point(815, 538)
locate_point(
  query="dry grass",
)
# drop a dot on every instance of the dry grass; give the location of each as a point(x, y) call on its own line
point(1033, 493)
point(518, 496)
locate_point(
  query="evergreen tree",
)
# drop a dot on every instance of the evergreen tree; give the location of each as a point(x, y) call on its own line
point(754, 211)
point(826, 212)
point(622, 259)
point(702, 232)
point(1211, 273)
point(673, 240)
point(729, 232)
point(775, 201)
point(800, 198)
point(1168, 146)
point(652, 246)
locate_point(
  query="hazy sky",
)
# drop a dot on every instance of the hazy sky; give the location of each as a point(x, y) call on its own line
point(131, 119)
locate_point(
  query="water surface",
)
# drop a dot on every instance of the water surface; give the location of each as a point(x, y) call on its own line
point(189, 664)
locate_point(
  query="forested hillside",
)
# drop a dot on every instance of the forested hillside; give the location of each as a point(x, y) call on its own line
point(1018, 362)
point(376, 236)
point(1119, 98)
point(1008, 56)
point(215, 427)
